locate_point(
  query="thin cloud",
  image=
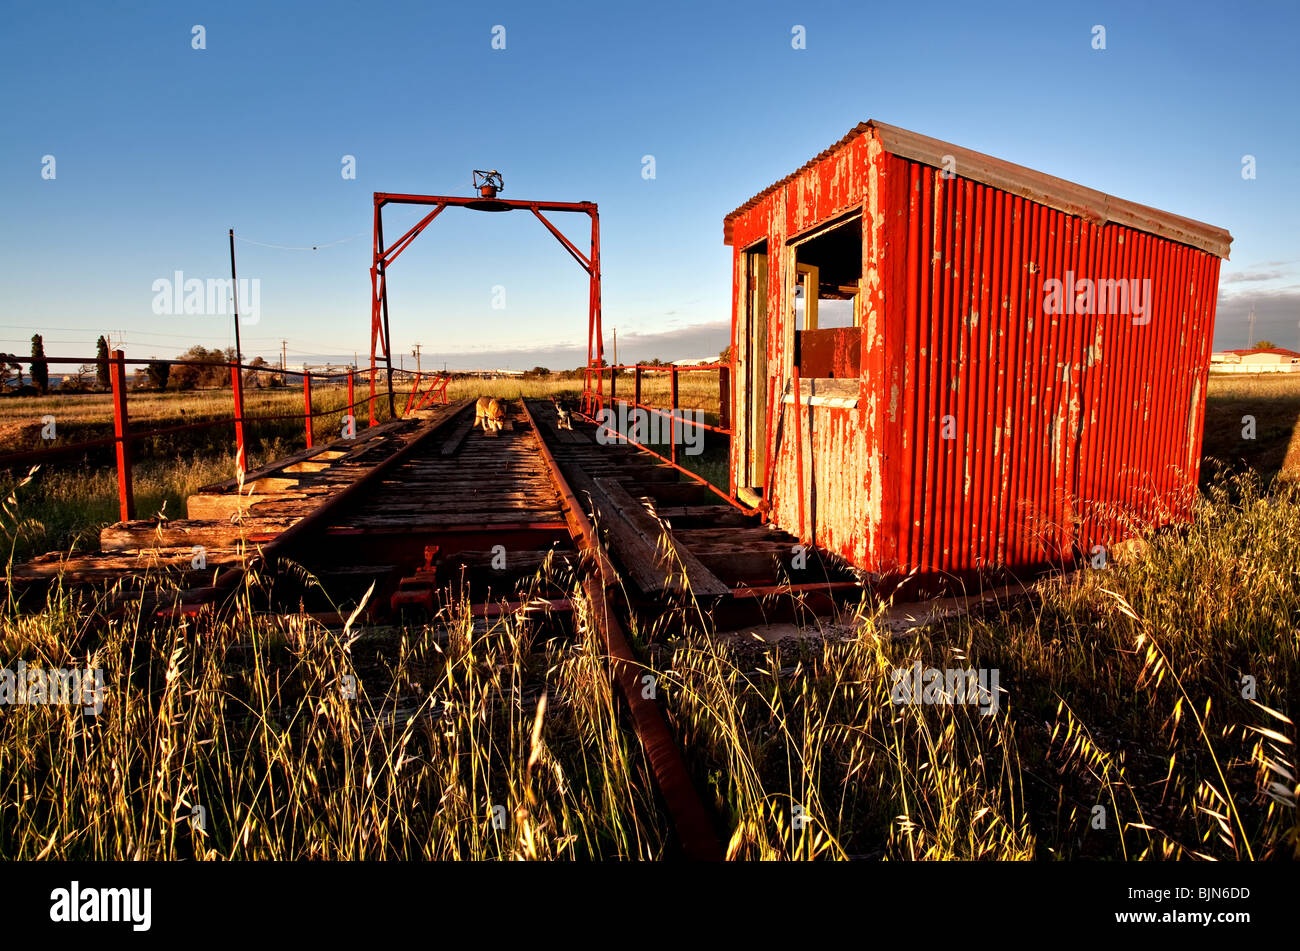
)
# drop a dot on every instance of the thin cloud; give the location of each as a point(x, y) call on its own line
point(1247, 277)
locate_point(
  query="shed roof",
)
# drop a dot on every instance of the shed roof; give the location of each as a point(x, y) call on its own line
point(1087, 203)
point(1277, 351)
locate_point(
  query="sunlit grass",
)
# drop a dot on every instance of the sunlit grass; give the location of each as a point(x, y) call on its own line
point(1163, 690)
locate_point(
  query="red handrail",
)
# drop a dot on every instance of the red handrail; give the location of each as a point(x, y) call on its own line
point(124, 436)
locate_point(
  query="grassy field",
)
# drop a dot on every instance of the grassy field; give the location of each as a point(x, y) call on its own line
point(1146, 711)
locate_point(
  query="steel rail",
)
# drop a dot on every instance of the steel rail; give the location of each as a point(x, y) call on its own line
point(694, 829)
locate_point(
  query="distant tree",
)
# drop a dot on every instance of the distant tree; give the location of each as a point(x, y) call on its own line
point(211, 369)
point(101, 364)
point(1266, 345)
point(256, 378)
point(40, 369)
point(725, 355)
point(78, 381)
point(537, 373)
point(158, 372)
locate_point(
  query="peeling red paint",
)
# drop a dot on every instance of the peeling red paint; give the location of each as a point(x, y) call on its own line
point(1068, 429)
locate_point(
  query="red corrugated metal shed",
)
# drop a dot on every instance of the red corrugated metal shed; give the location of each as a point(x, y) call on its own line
point(1023, 377)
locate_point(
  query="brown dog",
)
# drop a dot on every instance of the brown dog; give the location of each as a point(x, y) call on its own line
point(490, 413)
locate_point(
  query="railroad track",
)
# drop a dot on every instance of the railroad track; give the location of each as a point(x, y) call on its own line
point(420, 512)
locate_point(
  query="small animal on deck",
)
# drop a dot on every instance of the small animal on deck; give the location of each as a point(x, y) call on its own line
point(563, 415)
point(490, 413)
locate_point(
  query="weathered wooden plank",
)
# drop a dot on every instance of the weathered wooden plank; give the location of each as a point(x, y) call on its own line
point(223, 506)
point(108, 566)
point(175, 533)
point(717, 514)
point(457, 437)
point(270, 485)
point(417, 522)
point(670, 556)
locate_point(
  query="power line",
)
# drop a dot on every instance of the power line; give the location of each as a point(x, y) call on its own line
point(314, 247)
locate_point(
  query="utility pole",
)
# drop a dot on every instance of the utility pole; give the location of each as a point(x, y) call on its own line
point(615, 347)
point(1250, 334)
point(416, 353)
point(234, 289)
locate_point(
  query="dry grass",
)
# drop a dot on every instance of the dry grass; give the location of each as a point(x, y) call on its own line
point(1162, 690)
point(1124, 688)
point(1274, 403)
point(448, 741)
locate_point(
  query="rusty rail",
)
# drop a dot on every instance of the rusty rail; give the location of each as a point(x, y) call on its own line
point(694, 829)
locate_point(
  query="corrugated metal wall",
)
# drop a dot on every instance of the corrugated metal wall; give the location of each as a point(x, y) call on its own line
point(1066, 428)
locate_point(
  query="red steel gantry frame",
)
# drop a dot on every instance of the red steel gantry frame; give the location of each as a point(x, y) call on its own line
point(487, 201)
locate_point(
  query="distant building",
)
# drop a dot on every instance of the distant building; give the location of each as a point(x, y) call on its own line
point(1271, 360)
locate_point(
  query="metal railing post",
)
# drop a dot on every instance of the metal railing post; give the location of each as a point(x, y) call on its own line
point(306, 404)
point(673, 427)
point(237, 391)
point(122, 440)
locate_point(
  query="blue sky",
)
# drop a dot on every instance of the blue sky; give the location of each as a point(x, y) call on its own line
point(159, 148)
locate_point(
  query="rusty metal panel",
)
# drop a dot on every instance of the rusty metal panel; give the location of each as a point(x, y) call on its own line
point(1039, 425)
point(833, 354)
point(993, 428)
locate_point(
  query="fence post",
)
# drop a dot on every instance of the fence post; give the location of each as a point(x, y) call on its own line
point(306, 404)
point(125, 489)
point(724, 397)
point(351, 409)
point(673, 431)
point(237, 391)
